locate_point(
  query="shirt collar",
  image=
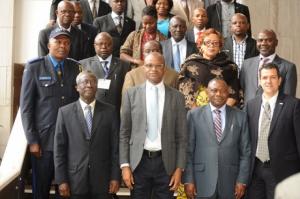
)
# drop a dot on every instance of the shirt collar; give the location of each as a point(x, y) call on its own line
point(108, 59)
point(83, 104)
point(182, 42)
point(68, 29)
point(55, 62)
point(115, 15)
point(271, 101)
point(233, 38)
point(222, 109)
point(271, 57)
point(227, 3)
point(91, 1)
point(196, 30)
point(160, 85)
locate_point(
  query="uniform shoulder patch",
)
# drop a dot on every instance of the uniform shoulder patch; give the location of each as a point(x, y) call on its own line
point(35, 60)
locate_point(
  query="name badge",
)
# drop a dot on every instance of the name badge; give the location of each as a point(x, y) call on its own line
point(44, 78)
point(104, 83)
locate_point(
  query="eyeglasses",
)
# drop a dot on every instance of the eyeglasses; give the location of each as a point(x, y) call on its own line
point(86, 82)
point(158, 66)
point(211, 43)
point(67, 11)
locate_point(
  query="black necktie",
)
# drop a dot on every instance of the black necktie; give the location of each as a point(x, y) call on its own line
point(59, 72)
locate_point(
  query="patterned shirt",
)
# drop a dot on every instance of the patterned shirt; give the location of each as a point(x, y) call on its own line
point(239, 50)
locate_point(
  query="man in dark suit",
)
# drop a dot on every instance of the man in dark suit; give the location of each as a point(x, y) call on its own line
point(48, 83)
point(199, 21)
point(153, 135)
point(239, 46)
point(274, 123)
point(221, 22)
point(109, 70)
point(91, 11)
point(116, 24)
point(177, 48)
point(266, 44)
point(89, 30)
point(218, 155)
point(86, 145)
point(65, 14)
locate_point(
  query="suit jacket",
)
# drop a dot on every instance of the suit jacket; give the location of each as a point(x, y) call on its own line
point(133, 128)
point(249, 77)
point(137, 76)
point(189, 35)
point(78, 49)
point(168, 51)
point(53, 9)
point(251, 50)
point(179, 10)
point(288, 188)
point(117, 72)
point(212, 165)
point(86, 162)
point(214, 14)
point(134, 11)
point(284, 136)
point(106, 24)
point(90, 33)
point(41, 96)
point(103, 9)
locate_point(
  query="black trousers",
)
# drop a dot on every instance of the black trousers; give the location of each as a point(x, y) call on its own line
point(263, 182)
point(42, 175)
point(151, 179)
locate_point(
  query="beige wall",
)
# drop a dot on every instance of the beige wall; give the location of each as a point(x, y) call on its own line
point(283, 17)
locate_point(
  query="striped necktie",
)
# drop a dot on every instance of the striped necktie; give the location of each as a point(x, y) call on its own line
point(89, 118)
point(218, 124)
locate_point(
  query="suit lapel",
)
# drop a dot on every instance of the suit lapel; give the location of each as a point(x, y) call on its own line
point(96, 118)
point(255, 69)
point(97, 67)
point(256, 113)
point(81, 120)
point(112, 67)
point(278, 108)
point(166, 107)
point(143, 107)
point(125, 26)
point(111, 21)
point(228, 123)
point(169, 54)
point(49, 68)
point(209, 121)
point(230, 46)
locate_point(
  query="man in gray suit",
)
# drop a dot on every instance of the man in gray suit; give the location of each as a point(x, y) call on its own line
point(153, 135)
point(109, 70)
point(266, 45)
point(218, 155)
point(86, 145)
point(177, 48)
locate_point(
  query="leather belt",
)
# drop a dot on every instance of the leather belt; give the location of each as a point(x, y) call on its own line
point(266, 164)
point(152, 154)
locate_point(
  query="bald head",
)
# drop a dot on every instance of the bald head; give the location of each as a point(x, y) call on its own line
point(65, 13)
point(103, 45)
point(154, 67)
point(177, 28)
point(266, 42)
point(217, 92)
point(152, 46)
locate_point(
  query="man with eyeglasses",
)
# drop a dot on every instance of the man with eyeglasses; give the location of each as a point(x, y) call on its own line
point(109, 70)
point(86, 145)
point(65, 15)
point(137, 75)
point(153, 135)
point(48, 83)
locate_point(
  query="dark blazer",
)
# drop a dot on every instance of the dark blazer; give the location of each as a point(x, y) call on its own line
point(168, 52)
point(103, 9)
point(90, 33)
point(215, 165)
point(41, 96)
point(78, 48)
point(251, 50)
point(53, 8)
point(284, 135)
point(133, 128)
point(189, 35)
point(249, 77)
point(106, 24)
point(215, 16)
point(86, 162)
point(117, 72)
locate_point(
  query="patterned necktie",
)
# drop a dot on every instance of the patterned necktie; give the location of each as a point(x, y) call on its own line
point(89, 118)
point(94, 10)
point(153, 114)
point(262, 152)
point(119, 26)
point(177, 59)
point(105, 68)
point(218, 124)
point(59, 72)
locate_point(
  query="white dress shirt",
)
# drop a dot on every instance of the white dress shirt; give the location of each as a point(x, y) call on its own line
point(91, 3)
point(115, 18)
point(84, 106)
point(182, 48)
point(155, 145)
point(223, 114)
point(108, 59)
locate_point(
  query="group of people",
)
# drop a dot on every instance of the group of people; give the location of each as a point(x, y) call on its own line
point(159, 101)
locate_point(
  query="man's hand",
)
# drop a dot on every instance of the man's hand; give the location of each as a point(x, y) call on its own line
point(35, 150)
point(64, 190)
point(127, 177)
point(239, 190)
point(190, 190)
point(113, 186)
point(175, 180)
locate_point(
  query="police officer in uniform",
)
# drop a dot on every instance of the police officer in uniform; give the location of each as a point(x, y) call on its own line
point(48, 83)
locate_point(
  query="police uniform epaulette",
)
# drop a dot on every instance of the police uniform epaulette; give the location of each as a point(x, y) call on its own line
point(35, 60)
point(79, 64)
